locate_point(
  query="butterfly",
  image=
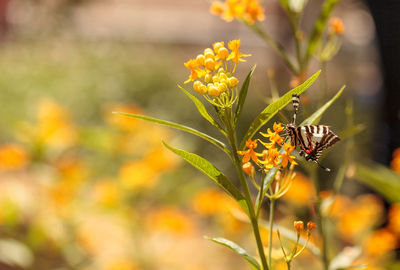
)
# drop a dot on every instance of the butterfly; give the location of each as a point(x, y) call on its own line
point(311, 139)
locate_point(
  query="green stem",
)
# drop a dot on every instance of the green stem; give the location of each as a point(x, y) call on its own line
point(288, 265)
point(320, 219)
point(276, 46)
point(271, 225)
point(252, 215)
point(324, 80)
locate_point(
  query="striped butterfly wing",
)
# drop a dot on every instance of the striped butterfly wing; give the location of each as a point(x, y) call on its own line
point(315, 138)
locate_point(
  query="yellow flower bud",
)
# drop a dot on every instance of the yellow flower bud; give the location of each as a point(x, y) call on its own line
point(200, 59)
point(222, 87)
point(224, 81)
point(203, 89)
point(215, 79)
point(213, 91)
point(223, 53)
point(209, 64)
point(221, 70)
point(299, 226)
point(208, 53)
point(217, 46)
point(222, 76)
point(208, 78)
point(233, 81)
point(196, 86)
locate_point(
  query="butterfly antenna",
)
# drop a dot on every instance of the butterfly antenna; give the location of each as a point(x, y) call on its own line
point(295, 102)
point(287, 121)
point(325, 168)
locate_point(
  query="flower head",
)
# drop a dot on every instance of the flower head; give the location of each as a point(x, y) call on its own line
point(236, 54)
point(286, 157)
point(249, 153)
point(298, 225)
point(248, 11)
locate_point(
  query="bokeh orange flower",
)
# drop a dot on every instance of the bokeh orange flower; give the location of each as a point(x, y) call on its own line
point(247, 10)
point(13, 157)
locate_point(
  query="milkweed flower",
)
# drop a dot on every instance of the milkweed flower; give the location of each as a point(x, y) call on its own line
point(336, 26)
point(212, 73)
point(249, 153)
point(247, 10)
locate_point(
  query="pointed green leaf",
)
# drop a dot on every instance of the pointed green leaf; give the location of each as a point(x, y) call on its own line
point(213, 173)
point(180, 127)
point(381, 179)
point(316, 116)
point(319, 26)
point(275, 107)
point(239, 250)
point(202, 109)
point(243, 94)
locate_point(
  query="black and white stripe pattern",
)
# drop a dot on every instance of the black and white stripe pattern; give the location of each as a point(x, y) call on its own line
point(311, 139)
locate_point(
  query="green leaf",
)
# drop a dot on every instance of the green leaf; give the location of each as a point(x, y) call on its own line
point(267, 182)
point(381, 179)
point(236, 248)
point(213, 173)
point(274, 107)
point(206, 137)
point(316, 116)
point(319, 26)
point(243, 94)
point(202, 109)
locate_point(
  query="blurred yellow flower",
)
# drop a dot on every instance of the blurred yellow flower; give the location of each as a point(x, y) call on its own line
point(211, 201)
point(394, 218)
point(395, 164)
point(71, 167)
point(301, 191)
point(170, 220)
point(120, 264)
point(137, 175)
point(54, 127)
point(161, 159)
point(360, 216)
point(12, 157)
point(246, 10)
point(107, 192)
point(380, 242)
point(123, 123)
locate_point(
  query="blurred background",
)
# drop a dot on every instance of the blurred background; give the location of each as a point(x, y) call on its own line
point(82, 188)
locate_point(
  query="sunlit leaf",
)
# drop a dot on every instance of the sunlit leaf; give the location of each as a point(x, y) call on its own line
point(239, 250)
point(319, 26)
point(275, 107)
point(212, 172)
point(381, 179)
point(243, 94)
point(202, 109)
point(180, 127)
point(267, 182)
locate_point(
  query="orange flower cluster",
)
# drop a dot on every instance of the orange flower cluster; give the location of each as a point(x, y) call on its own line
point(271, 156)
point(246, 10)
point(212, 72)
point(395, 164)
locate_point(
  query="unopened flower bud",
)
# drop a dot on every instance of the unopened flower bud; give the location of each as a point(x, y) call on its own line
point(215, 79)
point(217, 46)
point(222, 87)
point(222, 75)
point(223, 53)
point(233, 81)
point(196, 86)
point(298, 225)
point(207, 78)
point(311, 226)
point(221, 70)
point(209, 64)
point(337, 26)
point(213, 91)
point(203, 89)
point(248, 168)
point(200, 59)
point(208, 53)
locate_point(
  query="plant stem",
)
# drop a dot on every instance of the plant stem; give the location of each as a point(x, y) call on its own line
point(271, 225)
point(320, 219)
point(252, 215)
point(279, 49)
